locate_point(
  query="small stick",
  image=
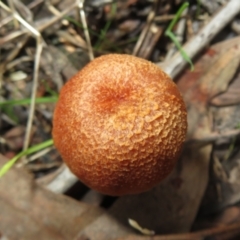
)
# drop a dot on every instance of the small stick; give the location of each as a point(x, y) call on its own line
point(85, 28)
point(143, 33)
point(34, 91)
point(34, 156)
point(176, 64)
point(40, 28)
point(39, 44)
point(13, 9)
point(62, 182)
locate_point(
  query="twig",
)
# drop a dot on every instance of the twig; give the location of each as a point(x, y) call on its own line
point(85, 28)
point(10, 18)
point(176, 64)
point(39, 44)
point(165, 18)
point(52, 9)
point(40, 28)
point(62, 182)
point(143, 34)
point(20, 19)
point(35, 156)
point(34, 91)
point(18, 47)
point(12, 7)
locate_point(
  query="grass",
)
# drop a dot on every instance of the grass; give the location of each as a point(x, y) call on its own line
point(7, 107)
point(171, 35)
point(103, 33)
point(27, 101)
point(5, 168)
point(101, 38)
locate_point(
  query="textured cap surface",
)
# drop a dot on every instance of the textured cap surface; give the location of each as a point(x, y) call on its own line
point(120, 124)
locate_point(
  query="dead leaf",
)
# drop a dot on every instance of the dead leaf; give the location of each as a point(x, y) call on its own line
point(221, 72)
point(28, 212)
point(14, 137)
point(231, 96)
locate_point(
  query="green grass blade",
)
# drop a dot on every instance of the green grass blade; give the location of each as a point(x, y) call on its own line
point(171, 35)
point(106, 27)
point(48, 89)
point(78, 24)
point(4, 169)
point(28, 101)
point(183, 53)
point(177, 16)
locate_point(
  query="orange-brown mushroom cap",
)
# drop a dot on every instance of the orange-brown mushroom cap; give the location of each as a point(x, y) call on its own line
point(120, 124)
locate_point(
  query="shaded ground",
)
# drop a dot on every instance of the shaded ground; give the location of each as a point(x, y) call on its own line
point(44, 43)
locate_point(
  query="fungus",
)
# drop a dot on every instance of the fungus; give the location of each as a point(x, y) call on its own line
point(120, 124)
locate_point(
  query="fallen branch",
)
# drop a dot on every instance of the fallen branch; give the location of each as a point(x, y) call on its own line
point(176, 64)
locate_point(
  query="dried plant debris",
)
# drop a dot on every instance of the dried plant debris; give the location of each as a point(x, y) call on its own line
point(34, 211)
point(229, 97)
point(44, 43)
point(136, 226)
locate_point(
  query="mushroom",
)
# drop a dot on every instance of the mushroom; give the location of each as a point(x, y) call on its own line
point(120, 124)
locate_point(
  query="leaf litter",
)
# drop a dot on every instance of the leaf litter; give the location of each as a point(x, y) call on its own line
point(196, 200)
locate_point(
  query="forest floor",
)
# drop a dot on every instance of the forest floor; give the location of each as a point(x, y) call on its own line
point(44, 43)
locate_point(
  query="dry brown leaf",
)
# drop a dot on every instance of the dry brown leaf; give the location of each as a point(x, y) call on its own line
point(104, 227)
point(231, 96)
point(221, 72)
point(31, 212)
point(14, 137)
point(224, 185)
